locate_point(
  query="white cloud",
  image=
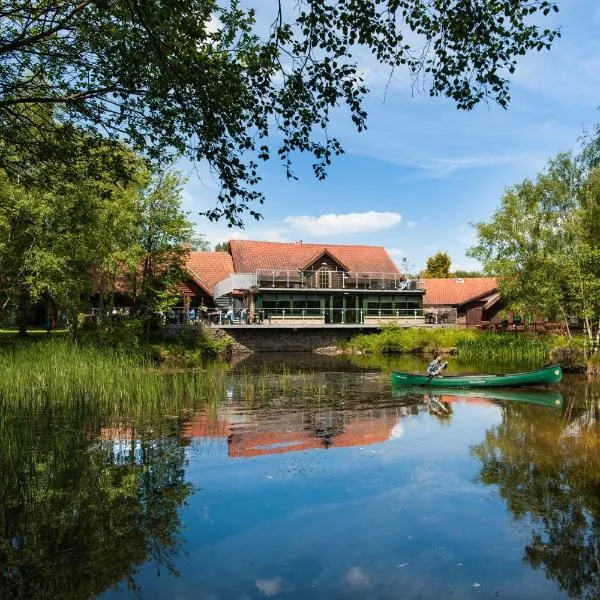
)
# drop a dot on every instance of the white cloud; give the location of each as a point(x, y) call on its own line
point(273, 587)
point(340, 224)
point(357, 578)
point(396, 252)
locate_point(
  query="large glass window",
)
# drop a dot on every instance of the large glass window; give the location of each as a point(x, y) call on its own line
point(296, 304)
point(373, 305)
point(386, 306)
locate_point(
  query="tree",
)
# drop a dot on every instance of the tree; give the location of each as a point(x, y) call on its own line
point(543, 242)
point(223, 247)
point(97, 510)
point(199, 243)
point(214, 81)
point(465, 274)
point(67, 227)
point(164, 238)
point(438, 266)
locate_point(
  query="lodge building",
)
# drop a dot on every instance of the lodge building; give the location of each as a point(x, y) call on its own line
point(304, 283)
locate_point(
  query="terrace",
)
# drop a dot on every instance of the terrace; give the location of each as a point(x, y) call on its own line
point(320, 279)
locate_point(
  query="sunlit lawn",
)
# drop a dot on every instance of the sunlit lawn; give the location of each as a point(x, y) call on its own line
point(9, 335)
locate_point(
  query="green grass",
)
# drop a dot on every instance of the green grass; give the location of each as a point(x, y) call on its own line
point(509, 346)
point(466, 343)
point(393, 339)
point(130, 383)
point(12, 335)
point(57, 371)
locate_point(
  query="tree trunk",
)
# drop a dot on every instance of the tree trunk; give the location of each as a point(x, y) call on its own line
point(23, 312)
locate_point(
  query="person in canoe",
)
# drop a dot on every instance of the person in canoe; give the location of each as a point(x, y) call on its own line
point(436, 366)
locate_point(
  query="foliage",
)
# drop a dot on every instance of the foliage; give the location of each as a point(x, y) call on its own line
point(465, 274)
point(223, 247)
point(509, 346)
point(438, 266)
point(57, 371)
point(468, 344)
point(393, 339)
point(544, 243)
point(198, 243)
point(216, 82)
point(163, 238)
point(68, 230)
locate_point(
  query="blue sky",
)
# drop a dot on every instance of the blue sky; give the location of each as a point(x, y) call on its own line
point(423, 171)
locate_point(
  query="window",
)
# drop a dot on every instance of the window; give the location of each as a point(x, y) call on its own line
point(373, 306)
point(323, 278)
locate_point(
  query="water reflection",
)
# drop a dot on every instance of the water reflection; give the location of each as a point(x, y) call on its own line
point(80, 513)
point(548, 472)
point(293, 486)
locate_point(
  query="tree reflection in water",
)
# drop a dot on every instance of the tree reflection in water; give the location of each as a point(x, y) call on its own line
point(79, 513)
point(547, 469)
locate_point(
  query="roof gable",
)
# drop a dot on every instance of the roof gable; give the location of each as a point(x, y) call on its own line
point(458, 291)
point(208, 268)
point(323, 254)
point(251, 256)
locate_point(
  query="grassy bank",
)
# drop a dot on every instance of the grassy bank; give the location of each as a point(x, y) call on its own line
point(58, 371)
point(465, 343)
point(187, 348)
point(118, 382)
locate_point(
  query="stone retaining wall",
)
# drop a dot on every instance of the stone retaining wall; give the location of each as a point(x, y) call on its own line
point(286, 339)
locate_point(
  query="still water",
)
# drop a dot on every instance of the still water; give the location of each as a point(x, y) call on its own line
point(309, 479)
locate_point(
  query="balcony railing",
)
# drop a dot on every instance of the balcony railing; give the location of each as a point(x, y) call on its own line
point(322, 279)
point(334, 316)
point(330, 279)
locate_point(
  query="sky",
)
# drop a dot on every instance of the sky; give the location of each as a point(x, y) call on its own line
point(424, 171)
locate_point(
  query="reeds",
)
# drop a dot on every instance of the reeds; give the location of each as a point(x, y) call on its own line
point(393, 339)
point(468, 344)
point(276, 385)
point(508, 346)
point(58, 372)
point(129, 384)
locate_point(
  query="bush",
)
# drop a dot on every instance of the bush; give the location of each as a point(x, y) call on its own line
point(569, 356)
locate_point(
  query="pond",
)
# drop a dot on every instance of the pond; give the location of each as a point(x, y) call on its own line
point(311, 477)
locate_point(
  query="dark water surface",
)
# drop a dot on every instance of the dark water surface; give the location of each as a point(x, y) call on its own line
point(303, 485)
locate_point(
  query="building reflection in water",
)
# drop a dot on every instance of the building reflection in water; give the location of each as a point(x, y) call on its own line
point(261, 433)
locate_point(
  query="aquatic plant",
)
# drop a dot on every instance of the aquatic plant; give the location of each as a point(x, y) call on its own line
point(466, 343)
point(509, 346)
point(57, 371)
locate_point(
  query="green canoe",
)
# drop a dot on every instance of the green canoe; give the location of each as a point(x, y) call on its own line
point(550, 398)
point(545, 376)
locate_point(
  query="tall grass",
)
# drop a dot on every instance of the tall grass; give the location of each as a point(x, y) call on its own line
point(468, 344)
point(393, 339)
point(57, 371)
point(129, 384)
point(509, 346)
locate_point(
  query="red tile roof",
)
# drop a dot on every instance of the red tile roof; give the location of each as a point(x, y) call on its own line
point(451, 292)
point(250, 256)
point(207, 268)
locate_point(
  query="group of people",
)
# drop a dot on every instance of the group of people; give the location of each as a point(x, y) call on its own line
point(217, 315)
point(230, 316)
